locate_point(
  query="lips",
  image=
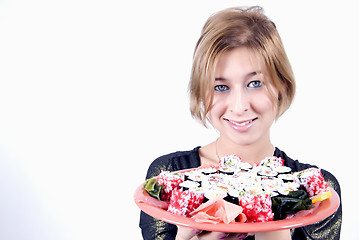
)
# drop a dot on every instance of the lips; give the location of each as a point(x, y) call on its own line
point(241, 125)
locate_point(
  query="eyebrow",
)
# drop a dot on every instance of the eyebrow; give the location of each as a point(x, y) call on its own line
point(251, 74)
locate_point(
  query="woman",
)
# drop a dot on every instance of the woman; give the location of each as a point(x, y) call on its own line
point(241, 83)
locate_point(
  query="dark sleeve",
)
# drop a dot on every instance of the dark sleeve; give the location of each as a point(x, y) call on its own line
point(153, 228)
point(327, 229)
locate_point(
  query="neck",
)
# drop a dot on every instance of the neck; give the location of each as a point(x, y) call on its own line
point(248, 153)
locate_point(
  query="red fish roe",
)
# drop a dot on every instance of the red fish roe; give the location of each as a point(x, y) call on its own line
point(257, 208)
point(184, 202)
point(313, 181)
point(170, 182)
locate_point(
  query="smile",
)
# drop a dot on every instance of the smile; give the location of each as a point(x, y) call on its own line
point(241, 125)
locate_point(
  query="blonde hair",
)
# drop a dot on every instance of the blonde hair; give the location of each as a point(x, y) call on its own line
point(229, 29)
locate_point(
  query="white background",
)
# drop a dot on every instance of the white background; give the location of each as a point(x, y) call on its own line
point(91, 92)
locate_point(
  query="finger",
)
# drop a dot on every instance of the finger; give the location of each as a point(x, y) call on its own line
point(236, 236)
point(185, 233)
point(242, 236)
point(212, 235)
point(218, 235)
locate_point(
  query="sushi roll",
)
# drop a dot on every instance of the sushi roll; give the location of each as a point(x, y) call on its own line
point(188, 185)
point(288, 187)
point(272, 194)
point(170, 181)
point(195, 176)
point(266, 172)
point(229, 161)
point(198, 190)
point(184, 202)
point(257, 208)
point(244, 166)
point(214, 192)
point(272, 162)
point(227, 171)
point(313, 181)
point(208, 171)
point(253, 189)
point(283, 170)
point(232, 196)
point(214, 180)
point(271, 185)
point(288, 177)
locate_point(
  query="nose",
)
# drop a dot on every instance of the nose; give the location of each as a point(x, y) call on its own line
point(238, 102)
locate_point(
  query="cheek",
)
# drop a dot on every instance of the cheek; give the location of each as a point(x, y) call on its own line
point(217, 109)
point(264, 105)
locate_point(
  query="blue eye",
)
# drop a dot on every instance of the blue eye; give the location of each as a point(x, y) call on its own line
point(255, 84)
point(221, 88)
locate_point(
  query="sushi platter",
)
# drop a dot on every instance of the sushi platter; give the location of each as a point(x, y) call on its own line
point(238, 197)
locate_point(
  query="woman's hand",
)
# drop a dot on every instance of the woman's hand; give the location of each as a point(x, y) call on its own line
point(185, 233)
point(275, 235)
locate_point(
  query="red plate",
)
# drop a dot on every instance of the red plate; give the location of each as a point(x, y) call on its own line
point(325, 209)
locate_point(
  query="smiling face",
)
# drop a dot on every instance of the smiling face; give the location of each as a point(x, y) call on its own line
point(243, 109)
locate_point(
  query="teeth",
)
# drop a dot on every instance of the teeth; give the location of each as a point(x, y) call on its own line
point(241, 124)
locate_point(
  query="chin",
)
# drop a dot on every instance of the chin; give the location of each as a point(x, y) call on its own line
point(242, 141)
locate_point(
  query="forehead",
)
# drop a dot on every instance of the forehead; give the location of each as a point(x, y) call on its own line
point(238, 62)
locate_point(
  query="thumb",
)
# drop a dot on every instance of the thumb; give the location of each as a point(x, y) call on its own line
point(186, 233)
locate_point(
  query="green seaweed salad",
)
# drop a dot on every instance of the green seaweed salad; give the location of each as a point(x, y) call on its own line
point(153, 188)
point(295, 201)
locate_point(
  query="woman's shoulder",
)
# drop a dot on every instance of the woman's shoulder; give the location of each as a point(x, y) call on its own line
point(295, 165)
point(174, 161)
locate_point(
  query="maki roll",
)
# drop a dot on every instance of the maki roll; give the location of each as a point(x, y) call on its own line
point(188, 185)
point(253, 189)
point(257, 208)
point(214, 192)
point(227, 171)
point(208, 171)
point(288, 178)
point(184, 202)
point(271, 185)
point(195, 176)
point(283, 170)
point(313, 181)
point(214, 180)
point(267, 172)
point(229, 161)
point(232, 196)
point(288, 187)
point(170, 181)
point(272, 162)
point(244, 166)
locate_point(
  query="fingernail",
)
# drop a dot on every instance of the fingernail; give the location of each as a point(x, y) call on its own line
point(242, 236)
point(196, 231)
point(222, 235)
